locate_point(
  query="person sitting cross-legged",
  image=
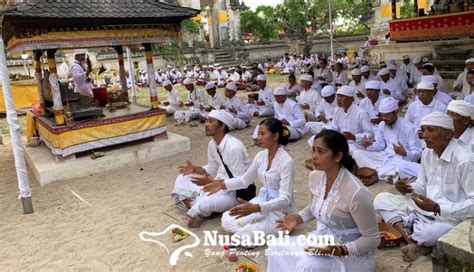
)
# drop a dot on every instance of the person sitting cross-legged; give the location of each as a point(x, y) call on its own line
point(288, 112)
point(396, 149)
point(236, 107)
point(441, 197)
point(226, 156)
point(349, 119)
point(275, 168)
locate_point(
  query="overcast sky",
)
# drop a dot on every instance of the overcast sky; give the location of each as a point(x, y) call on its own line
point(255, 3)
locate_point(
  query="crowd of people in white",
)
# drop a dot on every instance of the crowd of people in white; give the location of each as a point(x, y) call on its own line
point(400, 122)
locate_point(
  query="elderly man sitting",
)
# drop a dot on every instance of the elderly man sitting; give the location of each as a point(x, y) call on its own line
point(462, 114)
point(288, 112)
point(371, 103)
point(195, 100)
point(425, 104)
point(236, 107)
point(349, 119)
point(396, 149)
point(323, 114)
point(309, 98)
point(440, 95)
point(263, 104)
point(441, 197)
point(173, 102)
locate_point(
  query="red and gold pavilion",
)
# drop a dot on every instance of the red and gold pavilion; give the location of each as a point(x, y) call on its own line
point(46, 26)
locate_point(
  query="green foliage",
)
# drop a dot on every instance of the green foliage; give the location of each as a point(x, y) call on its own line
point(262, 23)
point(296, 17)
point(407, 8)
point(190, 26)
point(170, 49)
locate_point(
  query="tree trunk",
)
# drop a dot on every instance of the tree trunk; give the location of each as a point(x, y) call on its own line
point(308, 44)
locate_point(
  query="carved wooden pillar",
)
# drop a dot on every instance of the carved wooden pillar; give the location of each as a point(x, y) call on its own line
point(37, 54)
point(122, 74)
point(394, 9)
point(151, 76)
point(53, 80)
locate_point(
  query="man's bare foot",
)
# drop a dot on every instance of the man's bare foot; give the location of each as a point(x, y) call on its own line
point(411, 252)
point(195, 222)
point(399, 226)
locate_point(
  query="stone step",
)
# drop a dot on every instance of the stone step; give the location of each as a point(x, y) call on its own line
point(222, 54)
point(227, 64)
point(220, 60)
point(449, 74)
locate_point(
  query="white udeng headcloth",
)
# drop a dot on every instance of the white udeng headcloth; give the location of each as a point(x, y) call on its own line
point(328, 90)
point(373, 84)
point(307, 78)
point(388, 104)
point(224, 117)
point(346, 90)
point(280, 91)
point(461, 107)
point(438, 119)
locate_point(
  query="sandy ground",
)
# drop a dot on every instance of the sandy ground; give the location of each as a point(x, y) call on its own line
point(65, 234)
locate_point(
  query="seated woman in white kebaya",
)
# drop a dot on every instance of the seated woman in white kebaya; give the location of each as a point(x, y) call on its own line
point(342, 207)
point(275, 169)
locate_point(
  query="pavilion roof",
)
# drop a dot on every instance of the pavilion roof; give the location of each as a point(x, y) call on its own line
point(100, 9)
point(44, 24)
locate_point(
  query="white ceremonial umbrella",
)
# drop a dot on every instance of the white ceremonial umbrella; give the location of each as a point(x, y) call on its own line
point(12, 119)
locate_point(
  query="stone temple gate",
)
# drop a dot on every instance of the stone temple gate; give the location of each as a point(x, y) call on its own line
point(219, 21)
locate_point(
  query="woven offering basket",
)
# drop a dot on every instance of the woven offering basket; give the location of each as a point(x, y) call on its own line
point(246, 267)
point(367, 175)
point(389, 236)
point(178, 234)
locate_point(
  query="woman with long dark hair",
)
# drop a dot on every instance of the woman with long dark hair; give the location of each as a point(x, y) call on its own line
point(275, 169)
point(343, 208)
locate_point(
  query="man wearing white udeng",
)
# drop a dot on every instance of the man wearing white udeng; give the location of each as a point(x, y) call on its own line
point(224, 151)
point(349, 119)
point(441, 197)
point(309, 98)
point(397, 147)
point(173, 102)
point(275, 169)
point(343, 208)
point(264, 105)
